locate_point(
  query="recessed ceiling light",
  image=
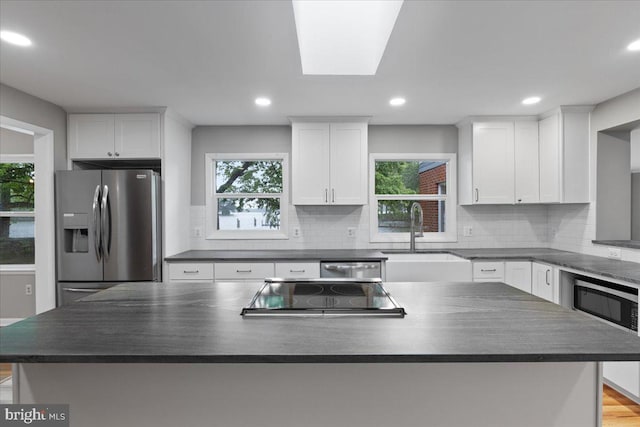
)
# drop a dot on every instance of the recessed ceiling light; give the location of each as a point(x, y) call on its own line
point(531, 100)
point(634, 46)
point(343, 37)
point(15, 38)
point(263, 102)
point(396, 102)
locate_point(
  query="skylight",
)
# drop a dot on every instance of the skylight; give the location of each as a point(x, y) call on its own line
point(343, 37)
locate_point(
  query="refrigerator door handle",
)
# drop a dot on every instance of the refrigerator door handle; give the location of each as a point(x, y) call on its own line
point(106, 218)
point(96, 223)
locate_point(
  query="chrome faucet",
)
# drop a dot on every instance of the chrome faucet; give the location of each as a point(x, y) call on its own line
point(415, 206)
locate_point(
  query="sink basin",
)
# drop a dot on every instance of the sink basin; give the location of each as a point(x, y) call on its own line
point(427, 267)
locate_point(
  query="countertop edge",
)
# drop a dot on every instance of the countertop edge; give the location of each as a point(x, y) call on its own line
point(323, 358)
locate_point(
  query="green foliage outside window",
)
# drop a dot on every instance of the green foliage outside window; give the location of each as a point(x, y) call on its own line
point(16, 195)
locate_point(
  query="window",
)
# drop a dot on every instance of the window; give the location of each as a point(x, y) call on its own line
point(246, 196)
point(17, 214)
point(398, 181)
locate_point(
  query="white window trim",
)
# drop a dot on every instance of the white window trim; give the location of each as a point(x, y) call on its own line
point(211, 217)
point(451, 235)
point(17, 158)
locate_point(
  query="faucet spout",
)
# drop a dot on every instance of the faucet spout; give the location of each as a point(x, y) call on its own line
point(415, 207)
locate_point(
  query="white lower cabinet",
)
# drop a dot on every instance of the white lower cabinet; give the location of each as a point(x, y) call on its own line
point(243, 270)
point(518, 275)
point(191, 271)
point(302, 270)
point(543, 282)
point(488, 271)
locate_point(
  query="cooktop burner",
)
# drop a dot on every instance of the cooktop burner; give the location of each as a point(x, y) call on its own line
point(313, 297)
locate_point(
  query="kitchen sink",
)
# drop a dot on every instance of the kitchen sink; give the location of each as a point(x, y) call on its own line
point(427, 267)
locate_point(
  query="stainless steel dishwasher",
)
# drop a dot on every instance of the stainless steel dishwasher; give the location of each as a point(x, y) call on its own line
point(359, 270)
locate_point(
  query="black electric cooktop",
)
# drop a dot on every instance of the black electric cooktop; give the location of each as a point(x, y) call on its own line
point(320, 297)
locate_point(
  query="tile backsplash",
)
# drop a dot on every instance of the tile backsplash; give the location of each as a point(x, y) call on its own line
point(325, 227)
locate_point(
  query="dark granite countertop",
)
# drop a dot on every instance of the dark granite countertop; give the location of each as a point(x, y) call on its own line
point(281, 255)
point(200, 323)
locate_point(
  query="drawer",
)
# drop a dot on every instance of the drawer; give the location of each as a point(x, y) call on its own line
point(191, 271)
point(488, 270)
point(243, 270)
point(308, 270)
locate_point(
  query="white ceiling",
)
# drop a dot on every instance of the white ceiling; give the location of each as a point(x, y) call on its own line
point(209, 60)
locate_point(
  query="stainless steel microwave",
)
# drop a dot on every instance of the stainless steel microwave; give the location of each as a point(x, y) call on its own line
point(615, 304)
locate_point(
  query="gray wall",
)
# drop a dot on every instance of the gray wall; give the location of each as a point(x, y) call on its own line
point(21, 106)
point(12, 142)
point(14, 302)
point(277, 139)
point(613, 201)
point(635, 206)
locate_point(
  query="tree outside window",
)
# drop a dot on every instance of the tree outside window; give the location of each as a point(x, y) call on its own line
point(17, 196)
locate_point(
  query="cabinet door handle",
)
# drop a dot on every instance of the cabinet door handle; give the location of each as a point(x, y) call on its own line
point(333, 195)
point(243, 271)
point(487, 270)
point(191, 271)
point(117, 154)
point(326, 195)
point(546, 277)
point(477, 195)
point(109, 153)
point(297, 271)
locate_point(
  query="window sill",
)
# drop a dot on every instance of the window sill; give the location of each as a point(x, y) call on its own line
point(17, 268)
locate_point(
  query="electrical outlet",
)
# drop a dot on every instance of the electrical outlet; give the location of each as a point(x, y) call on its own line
point(615, 253)
point(467, 231)
point(197, 231)
point(296, 231)
point(28, 289)
point(351, 232)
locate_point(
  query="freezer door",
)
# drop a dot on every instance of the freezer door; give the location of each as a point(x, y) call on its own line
point(69, 292)
point(129, 221)
point(78, 225)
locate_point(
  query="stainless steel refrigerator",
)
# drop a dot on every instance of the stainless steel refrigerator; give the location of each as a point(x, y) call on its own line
point(108, 230)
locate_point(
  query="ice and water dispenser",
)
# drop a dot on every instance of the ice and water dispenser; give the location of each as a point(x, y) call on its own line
point(76, 232)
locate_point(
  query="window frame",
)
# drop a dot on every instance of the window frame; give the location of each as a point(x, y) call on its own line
point(19, 158)
point(211, 216)
point(450, 199)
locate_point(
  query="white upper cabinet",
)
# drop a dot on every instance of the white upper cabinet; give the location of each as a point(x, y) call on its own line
point(114, 136)
point(527, 170)
point(525, 160)
point(493, 163)
point(564, 156)
point(329, 163)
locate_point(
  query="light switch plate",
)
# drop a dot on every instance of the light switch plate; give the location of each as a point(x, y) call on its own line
point(467, 231)
point(197, 231)
point(351, 232)
point(296, 231)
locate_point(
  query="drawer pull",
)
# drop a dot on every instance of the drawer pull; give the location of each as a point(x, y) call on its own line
point(243, 271)
point(297, 271)
point(487, 270)
point(191, 271)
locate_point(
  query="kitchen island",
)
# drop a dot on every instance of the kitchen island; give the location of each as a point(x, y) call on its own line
point(181, 354)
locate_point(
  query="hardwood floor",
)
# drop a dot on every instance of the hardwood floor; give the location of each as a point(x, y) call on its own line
point(5, 371)
point(618, 411)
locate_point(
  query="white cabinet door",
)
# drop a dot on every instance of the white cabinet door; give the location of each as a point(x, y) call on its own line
point(137, 136)
point(243, 270)
point(491, 271)
point(348, 172)
point(550, 159)
point(91, 136)
point(307, 270)
point(191, 271)
point(518, 275)
point(493, 163)
point(543, 284)
point(310, 163)
point(527, 173)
